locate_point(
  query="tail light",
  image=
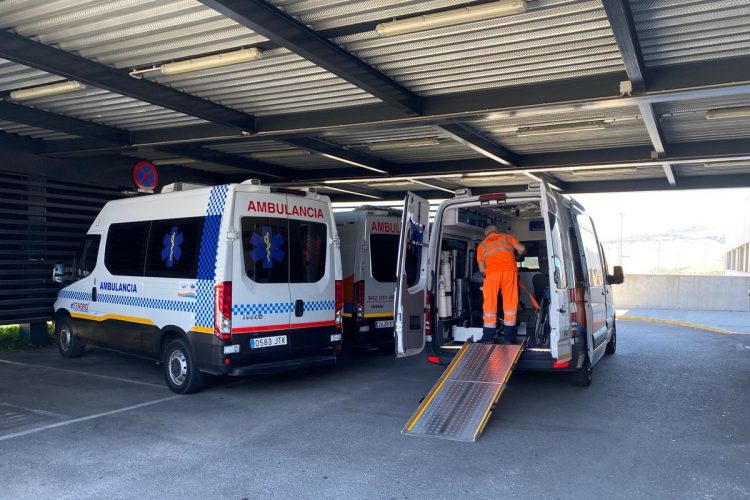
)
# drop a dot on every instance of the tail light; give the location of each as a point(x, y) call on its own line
point(433, 359)
point(563, 364)
point(223, 310)
point(575, 300)
point(427, 311)
point(339, 303)
point(359, 299)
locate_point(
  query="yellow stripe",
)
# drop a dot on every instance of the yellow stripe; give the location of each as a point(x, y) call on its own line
point(118, 317)
point(488, 412)
point(202, 329)
point(379, 315)
point(347, 315)
point(678, 323)
point(420, 411)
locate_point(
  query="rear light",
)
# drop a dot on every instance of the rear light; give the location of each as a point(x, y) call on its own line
point(493, 196)
point(427, 311)
point(339, 303)
point(223, 310)
point(359, 300)
point(433, 359)
point(564, 364)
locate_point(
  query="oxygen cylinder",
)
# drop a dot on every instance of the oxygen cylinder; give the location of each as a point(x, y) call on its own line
point(445, 302)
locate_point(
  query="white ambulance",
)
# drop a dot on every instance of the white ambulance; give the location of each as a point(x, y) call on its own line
point(566, 313)
point(230, 279)
point(369, 247)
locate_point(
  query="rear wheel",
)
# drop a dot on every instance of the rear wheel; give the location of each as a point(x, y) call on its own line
point(68, 343)
point(582, 376)
point(180, 372)
point(612, 344)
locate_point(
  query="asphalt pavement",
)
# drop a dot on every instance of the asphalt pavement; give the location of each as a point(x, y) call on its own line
point(665, 417)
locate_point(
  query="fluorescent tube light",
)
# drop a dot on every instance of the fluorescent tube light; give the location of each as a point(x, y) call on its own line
point(281, 153)
point(46, 90)
point(405, 143)
point(341, 190)
point(720, 114)
point(489, 174)
point(599, 171)
point(350, 162)
point(173, 161)
point(214, 61)
point(452, 17)
point(561, 128)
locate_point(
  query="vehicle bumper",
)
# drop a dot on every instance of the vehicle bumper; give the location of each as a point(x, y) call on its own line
point(283, 365)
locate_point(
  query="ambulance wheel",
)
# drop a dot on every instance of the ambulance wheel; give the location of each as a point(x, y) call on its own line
point(582, 376)
point(180, 372)
point(612, 344)
point(68, 343)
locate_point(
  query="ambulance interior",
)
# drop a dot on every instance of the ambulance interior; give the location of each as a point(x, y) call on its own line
point(458, 287)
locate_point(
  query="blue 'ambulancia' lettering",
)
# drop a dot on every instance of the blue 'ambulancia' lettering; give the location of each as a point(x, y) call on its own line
point(110, 286)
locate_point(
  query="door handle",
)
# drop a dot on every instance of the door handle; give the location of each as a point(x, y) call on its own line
point(299, 307)
point(93, 294)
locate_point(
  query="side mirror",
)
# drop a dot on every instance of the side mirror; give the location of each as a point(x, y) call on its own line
point(58, 273)
point(617, 277)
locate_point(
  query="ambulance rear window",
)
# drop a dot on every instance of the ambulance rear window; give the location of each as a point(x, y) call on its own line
point(383, 255)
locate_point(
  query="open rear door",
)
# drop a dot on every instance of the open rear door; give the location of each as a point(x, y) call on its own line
point(559, 339)
point(411, 286)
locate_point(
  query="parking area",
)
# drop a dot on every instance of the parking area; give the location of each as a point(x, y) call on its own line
point(663, 419)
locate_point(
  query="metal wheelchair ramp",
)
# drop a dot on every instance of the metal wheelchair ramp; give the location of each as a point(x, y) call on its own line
point(460, 403)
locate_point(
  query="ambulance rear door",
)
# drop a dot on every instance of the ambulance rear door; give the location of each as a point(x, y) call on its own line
point(379, 261)
point(411, 277)
point(560, 340)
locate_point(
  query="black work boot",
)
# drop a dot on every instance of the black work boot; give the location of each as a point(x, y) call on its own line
point(487, 335)
point(509, 334)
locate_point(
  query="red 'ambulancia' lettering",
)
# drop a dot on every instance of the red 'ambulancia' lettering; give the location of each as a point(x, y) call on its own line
point(283, 209)
point(380, 226)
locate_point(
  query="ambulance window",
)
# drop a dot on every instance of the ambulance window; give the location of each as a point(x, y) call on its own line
point(383, 256)
point(125, 252)
point(88, 256)
point(307, 251)
point(265, 249)
point(593, 259)
point(557, 254)
point(173, 248)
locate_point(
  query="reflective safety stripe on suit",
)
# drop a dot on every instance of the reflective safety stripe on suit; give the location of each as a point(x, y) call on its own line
point(505, 282)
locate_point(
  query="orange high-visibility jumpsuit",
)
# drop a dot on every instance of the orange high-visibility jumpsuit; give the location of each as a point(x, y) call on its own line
point(501, 275)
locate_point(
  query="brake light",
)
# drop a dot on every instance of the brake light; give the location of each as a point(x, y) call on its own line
point(339, 303)
point(493, 196)
point(427, 311)
point(359, 299)
point(433, 359)
point(564, 364)
point(223, 310)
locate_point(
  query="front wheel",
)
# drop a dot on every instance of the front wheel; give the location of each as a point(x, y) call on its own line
point(582, 377)
point(68, 343)
point(180, 372)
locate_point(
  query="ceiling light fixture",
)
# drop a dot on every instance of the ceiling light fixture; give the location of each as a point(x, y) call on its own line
point(561, 128)
point(489, 174)
point(350, 162)
point(173, 161)
point(463, 15)
point(721, 114)
point(46, 90)
point(598, 171)
point(214, 61)
point(351, 192)
point(405, 143)
point(281, 153)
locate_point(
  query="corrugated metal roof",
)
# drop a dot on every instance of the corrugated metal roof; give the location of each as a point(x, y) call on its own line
point(681, 31)
point(152, 155)
point(302, 160)
point(726, 168)
point(686, 121)
point(612, 174)
point(553, 40)
point(36, 133)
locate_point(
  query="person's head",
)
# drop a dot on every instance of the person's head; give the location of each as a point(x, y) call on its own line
point(490, 229)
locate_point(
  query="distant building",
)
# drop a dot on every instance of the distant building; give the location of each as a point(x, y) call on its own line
point(738, 246)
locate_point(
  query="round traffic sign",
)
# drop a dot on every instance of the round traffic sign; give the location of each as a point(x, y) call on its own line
point(145, 175)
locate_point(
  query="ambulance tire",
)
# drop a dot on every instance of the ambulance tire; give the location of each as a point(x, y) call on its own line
point(612, 344)
point(582, 376)
point(68, 343)
point(180, 371)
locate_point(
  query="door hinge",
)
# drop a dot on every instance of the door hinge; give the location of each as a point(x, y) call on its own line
point(233, 235)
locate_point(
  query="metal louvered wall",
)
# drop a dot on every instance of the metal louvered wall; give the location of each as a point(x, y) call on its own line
point(42, 221)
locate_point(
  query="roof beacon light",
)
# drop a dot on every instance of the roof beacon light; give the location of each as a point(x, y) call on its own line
point(720, 114)
point(463, 15)
point(46, 90)
point(214, 61)
point(561, 128)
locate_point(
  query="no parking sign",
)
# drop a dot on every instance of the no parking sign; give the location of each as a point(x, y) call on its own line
point(145, 175)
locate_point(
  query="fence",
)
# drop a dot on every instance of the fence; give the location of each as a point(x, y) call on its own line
point(697, 293)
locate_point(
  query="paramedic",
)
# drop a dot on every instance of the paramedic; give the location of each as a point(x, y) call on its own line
point(497, 261)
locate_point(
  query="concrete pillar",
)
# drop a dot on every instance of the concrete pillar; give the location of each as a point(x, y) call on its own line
point(34, 333)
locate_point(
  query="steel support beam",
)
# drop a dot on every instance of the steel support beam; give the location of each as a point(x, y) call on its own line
point(669, 173)
point(37, 55)
point(651, 121)
point(271, 22)
point(626, 36)
point(475, 140)
point(337, 153)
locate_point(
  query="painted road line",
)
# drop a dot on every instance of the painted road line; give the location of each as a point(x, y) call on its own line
point(685, 324)
point(84, 419)
point(78, 372)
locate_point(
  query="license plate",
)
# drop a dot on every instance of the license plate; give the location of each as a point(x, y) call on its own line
point(267, 342)
point(384, 324)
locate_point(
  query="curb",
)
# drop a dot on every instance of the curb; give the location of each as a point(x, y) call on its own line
point(679, 323)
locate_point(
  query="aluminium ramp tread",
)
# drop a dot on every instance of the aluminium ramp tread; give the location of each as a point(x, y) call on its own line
point(461, 401)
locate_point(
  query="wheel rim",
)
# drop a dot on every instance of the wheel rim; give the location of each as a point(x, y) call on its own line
point(177, 367)
point(65, 338)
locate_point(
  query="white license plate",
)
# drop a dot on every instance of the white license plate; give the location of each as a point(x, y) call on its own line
point(384, 324)
point(268, 342)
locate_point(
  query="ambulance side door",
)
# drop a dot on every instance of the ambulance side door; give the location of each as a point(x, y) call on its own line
point(411, 276)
